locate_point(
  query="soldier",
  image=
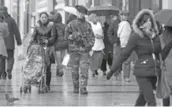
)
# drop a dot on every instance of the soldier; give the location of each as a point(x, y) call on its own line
point(81, 39)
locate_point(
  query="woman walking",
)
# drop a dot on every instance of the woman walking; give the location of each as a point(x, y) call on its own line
point(3, 51)
point(45, 35)
point(145, 42)
point(97, 56)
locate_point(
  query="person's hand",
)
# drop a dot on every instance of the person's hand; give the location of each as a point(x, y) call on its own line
point(109, 75)
point(45, 41)
point(70, 36)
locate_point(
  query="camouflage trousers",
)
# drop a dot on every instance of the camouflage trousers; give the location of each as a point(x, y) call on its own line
point(79, 63)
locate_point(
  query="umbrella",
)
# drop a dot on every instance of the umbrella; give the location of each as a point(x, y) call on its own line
point(103, 10)
point(164, 17)
point(69, 9)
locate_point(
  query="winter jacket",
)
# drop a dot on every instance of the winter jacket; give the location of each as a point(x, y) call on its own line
point(144, 47)
point(61, 41)
point(80, 36)
point(4, 33)
point(13, 33)
point(42, 33)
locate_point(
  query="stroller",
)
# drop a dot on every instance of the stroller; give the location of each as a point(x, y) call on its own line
point(34, 69)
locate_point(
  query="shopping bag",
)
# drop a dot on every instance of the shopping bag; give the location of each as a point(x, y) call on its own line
point(163, 89)
point(66, 60)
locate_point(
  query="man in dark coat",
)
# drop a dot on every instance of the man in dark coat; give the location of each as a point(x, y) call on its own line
point(9, 41)
point(81, 39)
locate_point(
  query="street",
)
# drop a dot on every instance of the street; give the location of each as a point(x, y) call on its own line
point(100, 91)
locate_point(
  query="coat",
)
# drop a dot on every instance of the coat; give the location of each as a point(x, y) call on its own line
point(13, 33)
point(48, 33)
point(146, 65)
point(80, 36)
point(166, 42)
point(4, 33)
point(60, 42)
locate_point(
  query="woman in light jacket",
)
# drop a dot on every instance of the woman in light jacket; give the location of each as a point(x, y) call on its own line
point(97, 56)
point(3, 51)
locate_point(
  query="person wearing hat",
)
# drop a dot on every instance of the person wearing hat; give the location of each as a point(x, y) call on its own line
point(9, 41)
point(81, 39)
point(3, 51)
point(123, 33)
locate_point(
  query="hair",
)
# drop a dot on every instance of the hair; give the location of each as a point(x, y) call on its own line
point(43, 13)
point(1, 16)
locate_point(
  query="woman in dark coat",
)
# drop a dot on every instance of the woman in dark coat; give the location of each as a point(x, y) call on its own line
point(45, 34)
point(145, 42)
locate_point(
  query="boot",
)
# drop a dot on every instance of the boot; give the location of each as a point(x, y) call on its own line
point(59, 72)
point(83, 91)
point(76, 89)
point(9, 74)
point(4, 75)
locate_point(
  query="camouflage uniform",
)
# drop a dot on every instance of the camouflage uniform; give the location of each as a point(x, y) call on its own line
point(81, 39)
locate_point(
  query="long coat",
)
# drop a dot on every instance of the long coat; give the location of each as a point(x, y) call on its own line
point(141, 44)
point(3, 34)
point(13, 33)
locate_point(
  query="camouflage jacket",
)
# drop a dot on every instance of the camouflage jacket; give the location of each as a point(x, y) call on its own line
point(80, 36)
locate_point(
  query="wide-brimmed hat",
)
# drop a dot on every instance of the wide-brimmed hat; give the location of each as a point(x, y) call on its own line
point(81, 9)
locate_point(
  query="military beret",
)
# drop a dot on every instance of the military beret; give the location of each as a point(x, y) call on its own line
point(81, 9)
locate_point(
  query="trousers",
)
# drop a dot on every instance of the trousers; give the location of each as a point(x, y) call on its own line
point(146, 87)
point(79, 63)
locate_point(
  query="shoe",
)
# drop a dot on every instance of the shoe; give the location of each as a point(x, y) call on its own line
point(9, 75)
point(127, 79)
point(93, 75)
point(83, 91)
point(104, 73)
point(59, 73)
point(109, 75)
point(76, 89)
point(4, 75)
point(96, 73)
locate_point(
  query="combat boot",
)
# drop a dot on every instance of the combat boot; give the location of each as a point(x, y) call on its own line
point(83, 91)
point(76, 89)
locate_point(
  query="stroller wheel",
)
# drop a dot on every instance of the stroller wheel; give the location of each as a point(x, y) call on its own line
point(21, 90)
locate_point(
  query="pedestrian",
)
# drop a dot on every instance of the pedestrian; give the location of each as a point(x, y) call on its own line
point(113, 38)
point(167, 44)
point(3, 51)
point(45, 35)
point(108, 50)
point(123, 33)
point(61, 44)
point(9, 41)
point(97, 55)
point(81, 39)
point(71, 18)
point(146, 42)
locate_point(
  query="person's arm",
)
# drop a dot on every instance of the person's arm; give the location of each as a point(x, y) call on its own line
point(124, 54)
point(16, 32)
point(52, 38)
point(90, 39)
point(6, 30)
point(33, 36)
point(68, 32)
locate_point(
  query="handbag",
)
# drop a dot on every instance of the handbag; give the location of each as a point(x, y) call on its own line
point(163, 89)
